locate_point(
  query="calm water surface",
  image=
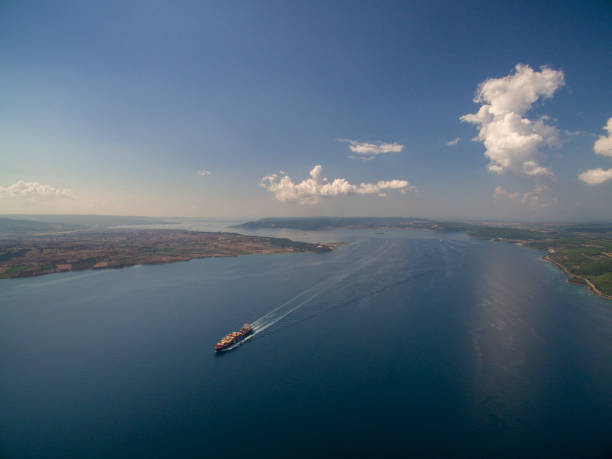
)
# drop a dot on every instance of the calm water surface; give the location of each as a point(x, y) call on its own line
point(415, 343)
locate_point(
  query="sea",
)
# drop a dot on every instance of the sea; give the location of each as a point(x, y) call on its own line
point(401, 343)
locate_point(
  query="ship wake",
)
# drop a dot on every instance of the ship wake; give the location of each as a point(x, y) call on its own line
point(309, 295)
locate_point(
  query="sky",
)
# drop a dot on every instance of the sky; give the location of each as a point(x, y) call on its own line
point(246, 109)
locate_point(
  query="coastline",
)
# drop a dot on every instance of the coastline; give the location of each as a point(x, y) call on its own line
point(583, 281)
point(571, 277)
point(112, 249)
point(332, 247)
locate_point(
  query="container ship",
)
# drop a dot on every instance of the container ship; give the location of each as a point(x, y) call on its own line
point(232, 338)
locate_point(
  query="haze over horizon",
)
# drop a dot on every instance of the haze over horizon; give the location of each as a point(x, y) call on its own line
point(246, 110)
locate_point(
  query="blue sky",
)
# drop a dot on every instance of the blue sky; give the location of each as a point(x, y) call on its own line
point(114, 107)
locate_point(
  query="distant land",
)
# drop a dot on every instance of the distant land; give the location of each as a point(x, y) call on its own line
point(21, 225)
point(32, 245)
point(116, 248)
point(27, 224)
point(323, 223)
point(582, 250)
point(10, 227)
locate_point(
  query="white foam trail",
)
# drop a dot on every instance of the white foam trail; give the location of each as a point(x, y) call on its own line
point(282, 311)
point(263, 323)
point(263, 319)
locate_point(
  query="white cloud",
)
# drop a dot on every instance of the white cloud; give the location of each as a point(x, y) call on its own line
point(311, 190)
point(512, 141)
point(455, 141)
point(33, 190)
point(603, 145)
point(204, 173)
point(362, 158)
point(574, 133)
point(370, 150)
point(500, 192)
point(539, 196)
point(596, 176)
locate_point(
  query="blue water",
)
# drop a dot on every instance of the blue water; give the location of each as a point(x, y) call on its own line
point(404, 343)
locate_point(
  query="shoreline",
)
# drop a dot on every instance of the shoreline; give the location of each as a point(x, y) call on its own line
point(332, 246)
point(584, 281)
point(151, 263)
point(579, 280)
point(114, 249)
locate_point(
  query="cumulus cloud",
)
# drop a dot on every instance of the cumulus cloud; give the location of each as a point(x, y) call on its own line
point(33, 190)
point(603, 145)
point(596, 176)
point(513, 141)
point(455, 141)
point(204, 173)
point(369, 150)
point(539, 196)
point(311, 190)
point(362, 158)
point(500, 192)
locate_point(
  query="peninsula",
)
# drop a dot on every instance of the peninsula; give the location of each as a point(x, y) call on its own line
point(116, 248)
